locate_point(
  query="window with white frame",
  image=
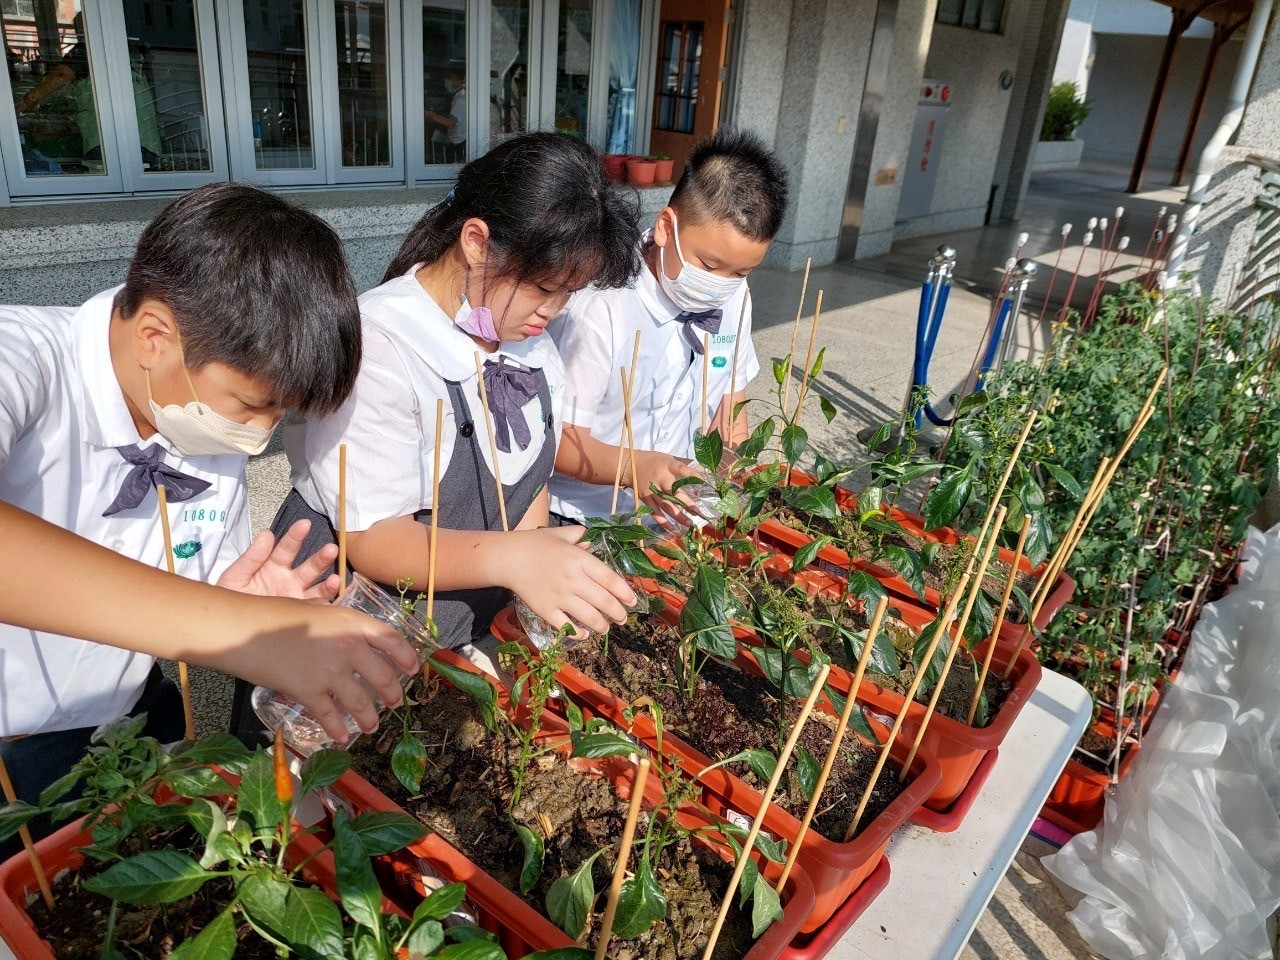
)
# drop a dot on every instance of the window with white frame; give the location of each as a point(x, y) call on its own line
point(121, 96)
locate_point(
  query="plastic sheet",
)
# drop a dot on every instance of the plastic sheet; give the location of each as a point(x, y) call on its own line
point(1186, 863)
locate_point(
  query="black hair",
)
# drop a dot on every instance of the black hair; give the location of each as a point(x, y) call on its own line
point(258, 284)
point(732, 177)
point(553, 216)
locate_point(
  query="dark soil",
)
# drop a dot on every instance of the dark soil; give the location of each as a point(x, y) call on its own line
point(77, 926)
point(1098, 746)
point(732, 711)
point(465, 792)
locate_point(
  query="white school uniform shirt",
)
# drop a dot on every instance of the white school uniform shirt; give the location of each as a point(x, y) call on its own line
point(62, 414)
point(596, 335)
point(411, 348)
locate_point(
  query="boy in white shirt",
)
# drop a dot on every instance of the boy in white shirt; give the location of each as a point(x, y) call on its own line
point(722, 216)
point(236, 307)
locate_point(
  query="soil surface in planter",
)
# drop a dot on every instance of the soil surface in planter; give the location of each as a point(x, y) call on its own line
point(732, 711)
point(1099, 746)
point(466, 789)
point(77, 926)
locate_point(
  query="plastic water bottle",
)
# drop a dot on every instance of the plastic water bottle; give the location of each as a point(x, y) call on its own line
point(543, 633)
point(303, 732)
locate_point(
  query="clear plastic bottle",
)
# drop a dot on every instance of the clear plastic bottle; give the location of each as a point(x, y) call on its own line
point(543, 634)
point(301, 729)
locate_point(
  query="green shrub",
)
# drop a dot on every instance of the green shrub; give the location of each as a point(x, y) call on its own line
point(1065, 111)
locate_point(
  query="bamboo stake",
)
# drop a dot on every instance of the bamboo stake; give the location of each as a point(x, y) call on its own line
point(435, 512)
point(808, 360)
point(342, 516)
point(749, 843)
point(841, 728)
point(493, 444)
point(953, 648)
point(706, 375)
point(622, 445)
point(999, 622)
point(795, 331)
point(733, 373)
point(184, 680)
point(943, 623)
point(631, 440)
point(42, 878)
point(624, 853)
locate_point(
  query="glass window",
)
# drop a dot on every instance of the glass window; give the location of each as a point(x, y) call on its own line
point(364, 106)
point(573, 66)
point(680, 50)
point(276, 43)
point(984, 15)
point(508, 69)
point(444, 81)
point(164, 66)
point(624, 71)
point(53, 82)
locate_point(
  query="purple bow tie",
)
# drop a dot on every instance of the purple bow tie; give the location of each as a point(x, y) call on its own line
point(708, 321)
point(150, 470)
point(509, 388)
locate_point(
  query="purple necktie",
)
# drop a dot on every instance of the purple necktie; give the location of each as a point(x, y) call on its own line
point(150, 470)
point(708, 321)
point(509, 388)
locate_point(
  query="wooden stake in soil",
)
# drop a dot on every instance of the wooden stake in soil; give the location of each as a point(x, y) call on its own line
point(622, 444)
point(631, 440)
point(956, 645)
point(999, 622)
point(849, 705)
point(749, 843)
point(184, 681)
point(42, 878)
point(706, 375)
point(435, 511)
point(624, 853)
point(943, 623)
point(733, 372)
point(493, 445)
point(342, 516)
point(795, 330)
point(808, 358)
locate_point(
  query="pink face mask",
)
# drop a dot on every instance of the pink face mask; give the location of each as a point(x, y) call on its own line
point(478, 322)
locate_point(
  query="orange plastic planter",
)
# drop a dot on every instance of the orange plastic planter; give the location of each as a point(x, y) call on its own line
point(1076, 801)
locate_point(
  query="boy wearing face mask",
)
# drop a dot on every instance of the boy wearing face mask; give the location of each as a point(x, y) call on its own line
point(236, 307)
point(722, 216)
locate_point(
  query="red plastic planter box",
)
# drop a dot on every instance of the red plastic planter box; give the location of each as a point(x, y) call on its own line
point(1076, 801)
point(521, 928)
point(835, 869)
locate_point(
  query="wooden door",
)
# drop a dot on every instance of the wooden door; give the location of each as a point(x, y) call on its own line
point(692, 38)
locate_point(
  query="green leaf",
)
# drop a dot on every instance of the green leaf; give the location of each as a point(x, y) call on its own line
point(908, 565)
point(1039, 539)
point(222, 749)
point(61, 787)
point(357, 886)
point(312, 924)
point(948, 498)
point(1065, 480)
point(217, 941)
point(882, 434)
point(934, 668)
point(409, 761)
point(795, 440)
point(640, 903)
point(765, 908)
point(386, 831)
point(323, 768)
point(196, 782)
point(158, 876)
point(705, 615)
point(608, 743)
point(531, 868)
point(570, 898)
point(256, 798)
point(762, 763)
point(759, 440)
point(708, 449)
point(817, 501)
point(440, 903)
point(809, 552)
point(561, 953)
point(265, 900)
point(14, 815)
point(207, 817)
point(476, 686)
point(866, 588)
point(472, 950)
point(425, 938)
point(981, 618)
point(828, 408)
point(808, 770)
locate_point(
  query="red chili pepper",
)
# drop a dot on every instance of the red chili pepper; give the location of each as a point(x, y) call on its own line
point(284, 778)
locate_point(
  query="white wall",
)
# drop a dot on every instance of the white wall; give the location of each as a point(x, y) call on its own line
point(1077, 44)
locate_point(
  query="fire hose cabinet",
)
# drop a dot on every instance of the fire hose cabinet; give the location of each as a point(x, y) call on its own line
point(921, 174)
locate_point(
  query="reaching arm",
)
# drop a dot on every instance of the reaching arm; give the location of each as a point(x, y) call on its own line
point(741, 427)
point(136, 607)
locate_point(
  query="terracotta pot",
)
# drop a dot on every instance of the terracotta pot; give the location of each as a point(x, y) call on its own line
point(664, 170)
point(522, 929)
point(615, 166)
point(1075, 803)
point(640, 172)
point(836, 869)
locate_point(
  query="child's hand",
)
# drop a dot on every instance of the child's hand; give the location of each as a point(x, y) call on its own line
point(335, 644)
point(662, 470)
point(266, 568)
point(552, 572)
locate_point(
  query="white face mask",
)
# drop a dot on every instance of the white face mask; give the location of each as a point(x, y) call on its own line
point(197, 430)
point(695, 290)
